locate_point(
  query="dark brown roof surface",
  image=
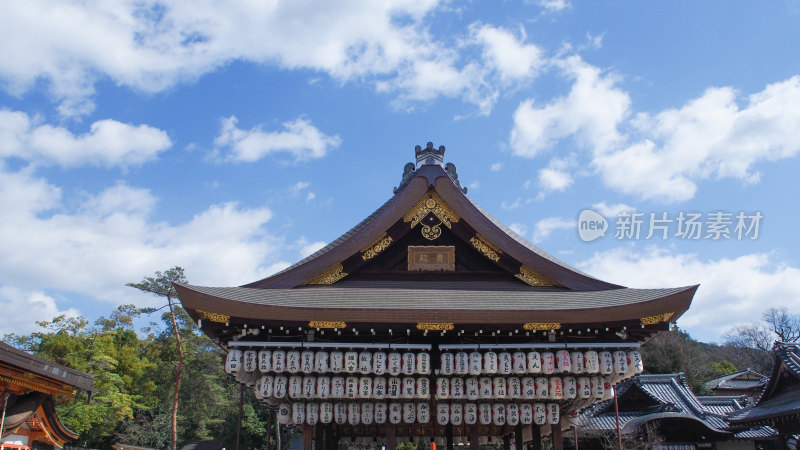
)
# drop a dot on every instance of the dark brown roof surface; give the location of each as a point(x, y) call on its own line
point(495, 306)
point(24, 360)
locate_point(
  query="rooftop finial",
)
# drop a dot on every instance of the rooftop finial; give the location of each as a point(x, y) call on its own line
point(429, 155)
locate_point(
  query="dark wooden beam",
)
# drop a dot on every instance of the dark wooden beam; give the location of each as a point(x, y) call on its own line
point(308, 436)
point(518, 437)
point(474, 438)
point(448, 429)
point(558, 439)
point(536, 437)
point(390, 436)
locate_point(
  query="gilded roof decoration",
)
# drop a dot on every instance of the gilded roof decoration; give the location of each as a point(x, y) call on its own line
point(330, 276)
point(532, 278)
point(652, 320)
point(376, 247)
point(486, 248)
point(431, 203)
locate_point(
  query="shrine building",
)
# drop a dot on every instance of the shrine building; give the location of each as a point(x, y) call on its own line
point(430, 319)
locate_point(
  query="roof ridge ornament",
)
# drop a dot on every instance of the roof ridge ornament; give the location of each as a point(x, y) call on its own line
point(429, 156)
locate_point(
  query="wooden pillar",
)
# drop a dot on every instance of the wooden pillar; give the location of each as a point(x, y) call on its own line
point(558, 439)
point(308, 436)
point(474, 437)
point(319, 437)
point(390, 436)
point(331, 437)
point(448, 429)
point(518, 437)
point(536, 437)
point(506, 438)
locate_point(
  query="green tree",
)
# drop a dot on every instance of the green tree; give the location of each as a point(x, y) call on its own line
point(163, 285)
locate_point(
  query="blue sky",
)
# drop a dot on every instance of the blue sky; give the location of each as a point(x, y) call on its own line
point(234, 139)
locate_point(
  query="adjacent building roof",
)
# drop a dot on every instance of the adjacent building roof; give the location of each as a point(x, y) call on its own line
point(41, 375)
point(779, 403)
point(743, 380)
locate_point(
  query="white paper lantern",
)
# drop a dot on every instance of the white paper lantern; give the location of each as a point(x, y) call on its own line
point(423, 363)
point(504, 363)
point(321, 361)
point(470, 413)
point(563, 361)
point(323, 387)
point(353, 413)
point(475, 363)
point(409, 413)
point(512, 414)
point(409, 387)
point(293, 361)
point(267, 383)
point(485, 387)
point(298, 413)
point(485, 413)
point(312, 413)
point(394, 388)
point(409, 363)
point(337, 362)
point(591, 362)
point(395, 413)
point(326, 412)
point(570, 387)
point(264, 361)
point(462, 363)
point(472, 388)
point(534, 362)
point(442, 413)
point(456, 414)
point(606, 362)
point(257, 389)
point(499, 414)
point(542, 388)
point(539, 413)
point(365, 362)
point(423, 412)
point(499, 387)
point(526, 413)
point(584, 387)
point(447, 363)
point(296, 386)
point(608, 389)
point(381, 412)
point(307, 361)
point(309, 387)
point(548, 363)
point(379, 363)
point(284, 413)
point(233, 362)
point(598, 391)
point(351, 362)
point(442, 388)
point(635, 364)
point(367, 413)
point(379, 388)
point(423, 388)
point(365, 387)
point(340, 413)
point(351, 387)
point(556, 388)
point(528, 388)
point(250, 363)
point(576, 361)
point(278, 361)
point(490, 363)
point(620, 362)
point(337, 387)
point(394, 363)
point(513, 388)
point(457, 388)
point(553, 414)
point(281, 385)
point(519, 363)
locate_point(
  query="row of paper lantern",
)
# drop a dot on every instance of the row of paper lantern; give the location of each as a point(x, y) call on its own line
point(460, 363)
point(455, 388)
point(354, 413)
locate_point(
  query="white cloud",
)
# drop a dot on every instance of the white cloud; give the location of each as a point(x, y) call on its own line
point(732, 291)
point(709, 137)
point(496, 167)
point(107, 142)
point(554, 5)
point(109, 239)
point(610, 211)
point(590, 113)
point(23, 308)
point(298, 138)
point(306, 248)
point(554, 179)
point(545, 227)
point(509, 56)
point(518, 228)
